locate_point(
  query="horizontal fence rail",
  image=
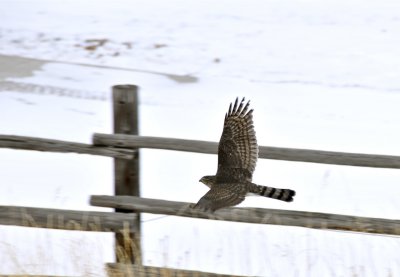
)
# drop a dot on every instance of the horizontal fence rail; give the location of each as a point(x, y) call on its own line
point(65, 219)
point(265, 152)
point(254, 215)
point(118, 146)
point(119, 269)
point(52, 145)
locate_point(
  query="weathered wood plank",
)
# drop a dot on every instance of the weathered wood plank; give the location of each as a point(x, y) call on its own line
point(126, 172)
point(120, 270)
point(52, 145)
point(66, 219)
point(265, 152)
point(130, 141)
point(254, 215)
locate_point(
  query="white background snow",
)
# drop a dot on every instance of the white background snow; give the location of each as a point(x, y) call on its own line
point(320, 75)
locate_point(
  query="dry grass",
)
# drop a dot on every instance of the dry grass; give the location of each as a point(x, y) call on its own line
point(129, 247)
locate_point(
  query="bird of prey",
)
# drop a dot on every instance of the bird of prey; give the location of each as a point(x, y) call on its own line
point(237, 158)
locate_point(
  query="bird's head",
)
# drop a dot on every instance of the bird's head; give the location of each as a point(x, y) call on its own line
point(208, 180)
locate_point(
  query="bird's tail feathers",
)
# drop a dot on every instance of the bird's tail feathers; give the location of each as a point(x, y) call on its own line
point(275, 193)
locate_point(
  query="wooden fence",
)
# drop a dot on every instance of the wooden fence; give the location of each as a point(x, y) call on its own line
point(265, 152)
point(254, 215)
point(123, 146)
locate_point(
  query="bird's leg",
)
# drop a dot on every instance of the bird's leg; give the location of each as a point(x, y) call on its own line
point(201, 208)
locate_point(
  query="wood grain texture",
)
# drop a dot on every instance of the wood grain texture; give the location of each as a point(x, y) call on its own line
point(120, 270)
point(52, 145)
point(125, 107)
point(254, 215)
point(126, 172)
point(265, 152)
point(66, 219)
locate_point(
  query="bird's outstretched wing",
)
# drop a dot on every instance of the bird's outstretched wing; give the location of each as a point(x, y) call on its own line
point(238, 149)
point(220, 196)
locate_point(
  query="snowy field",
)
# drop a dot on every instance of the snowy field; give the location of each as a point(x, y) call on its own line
point(320, 75)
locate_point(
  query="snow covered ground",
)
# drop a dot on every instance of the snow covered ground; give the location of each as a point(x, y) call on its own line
point(320, 75)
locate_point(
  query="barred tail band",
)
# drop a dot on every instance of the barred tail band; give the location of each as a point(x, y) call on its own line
point(275, 193)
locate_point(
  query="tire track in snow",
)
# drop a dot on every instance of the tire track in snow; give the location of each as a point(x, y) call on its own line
point(52, 90)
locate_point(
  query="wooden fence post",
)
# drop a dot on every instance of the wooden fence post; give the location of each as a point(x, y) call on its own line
point(125, 106)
